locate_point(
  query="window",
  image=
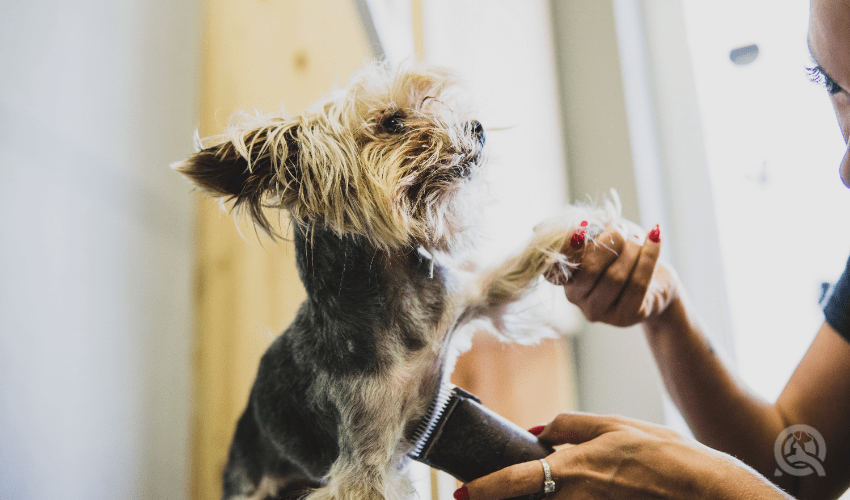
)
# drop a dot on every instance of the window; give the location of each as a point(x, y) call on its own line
point(772, 148)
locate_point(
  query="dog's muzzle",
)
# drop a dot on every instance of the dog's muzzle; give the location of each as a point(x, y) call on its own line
point(465, 169)
point(477, 129)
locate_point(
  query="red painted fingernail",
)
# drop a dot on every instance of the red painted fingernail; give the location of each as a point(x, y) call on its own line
point(537, 430)
point(583, 223)
point(577, 241)
point(655, 234)
point(462, 493)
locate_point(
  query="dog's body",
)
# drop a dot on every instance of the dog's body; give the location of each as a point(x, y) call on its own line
point(366, 340)
point(379, 181)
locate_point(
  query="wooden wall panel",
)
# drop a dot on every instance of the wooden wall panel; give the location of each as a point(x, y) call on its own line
point(528, 385)
point(257, 54)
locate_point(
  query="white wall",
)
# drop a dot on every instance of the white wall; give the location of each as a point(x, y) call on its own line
point(760, 156)
point(504, 52)
point(616, 373)
point(96, 98)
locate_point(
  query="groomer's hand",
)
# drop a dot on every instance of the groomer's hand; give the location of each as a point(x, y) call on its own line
point(615, 457)
point(618, 281)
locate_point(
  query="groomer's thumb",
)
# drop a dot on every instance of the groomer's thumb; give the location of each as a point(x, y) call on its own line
point(663, 286)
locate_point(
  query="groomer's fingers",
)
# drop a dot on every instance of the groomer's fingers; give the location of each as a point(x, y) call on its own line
point(632, 302)
point(514, 481)
point(596, 465)
point(577, 428)
point(555, 275)
point(595, 260)
point(572, 248)
point(610, 287)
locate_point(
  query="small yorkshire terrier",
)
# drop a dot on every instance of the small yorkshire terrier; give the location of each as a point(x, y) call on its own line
point(381, 183)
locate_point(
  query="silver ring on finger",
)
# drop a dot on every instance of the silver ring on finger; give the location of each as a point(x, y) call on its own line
point(548, 483)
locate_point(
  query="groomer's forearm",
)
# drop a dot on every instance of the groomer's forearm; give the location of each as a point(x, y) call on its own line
point(721, 412)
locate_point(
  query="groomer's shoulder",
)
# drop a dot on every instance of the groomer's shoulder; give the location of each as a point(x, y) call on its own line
point(837, 310)
point(818, 396)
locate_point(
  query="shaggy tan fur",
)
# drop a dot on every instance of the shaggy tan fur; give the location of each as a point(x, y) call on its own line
point(337, 164)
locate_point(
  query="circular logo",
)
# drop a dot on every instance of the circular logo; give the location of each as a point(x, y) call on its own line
point(800, 450)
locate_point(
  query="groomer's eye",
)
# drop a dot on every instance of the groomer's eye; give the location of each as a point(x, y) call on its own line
point(817, 75)
point(393, 123)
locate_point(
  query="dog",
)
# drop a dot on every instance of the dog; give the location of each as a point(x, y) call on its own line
point(382, 184)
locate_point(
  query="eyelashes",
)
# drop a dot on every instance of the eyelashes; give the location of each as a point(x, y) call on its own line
point(816, 74)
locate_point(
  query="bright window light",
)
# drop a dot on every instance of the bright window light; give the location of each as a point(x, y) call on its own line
point(773, 149)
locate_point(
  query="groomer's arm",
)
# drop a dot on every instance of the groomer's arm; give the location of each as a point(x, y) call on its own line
point(626, 286)
point(720, 411)
point(724, 415)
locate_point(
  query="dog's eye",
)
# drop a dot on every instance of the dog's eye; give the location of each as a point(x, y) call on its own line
point(393, 123)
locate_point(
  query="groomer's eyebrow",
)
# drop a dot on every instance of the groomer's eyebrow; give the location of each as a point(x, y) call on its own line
point(812, 55)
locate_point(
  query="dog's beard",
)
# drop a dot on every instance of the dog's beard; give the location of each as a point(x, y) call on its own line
point(453, 214)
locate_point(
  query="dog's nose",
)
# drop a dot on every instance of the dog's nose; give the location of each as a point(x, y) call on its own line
point(478, 130)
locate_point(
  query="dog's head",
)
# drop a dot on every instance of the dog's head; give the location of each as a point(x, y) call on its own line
point(386, 158)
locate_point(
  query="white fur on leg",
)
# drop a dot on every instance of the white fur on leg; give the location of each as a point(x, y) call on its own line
point(497, 292)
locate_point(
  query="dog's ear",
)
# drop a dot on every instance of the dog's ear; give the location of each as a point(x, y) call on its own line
point(255, 168)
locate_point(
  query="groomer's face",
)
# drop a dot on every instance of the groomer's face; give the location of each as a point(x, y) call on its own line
point(829, 41)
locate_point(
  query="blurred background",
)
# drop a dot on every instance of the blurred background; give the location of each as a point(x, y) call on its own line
point(133, 314)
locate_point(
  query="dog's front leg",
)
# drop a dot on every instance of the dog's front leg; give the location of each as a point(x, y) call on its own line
point(512, 279)
point(508, 282)
point(373, 412)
